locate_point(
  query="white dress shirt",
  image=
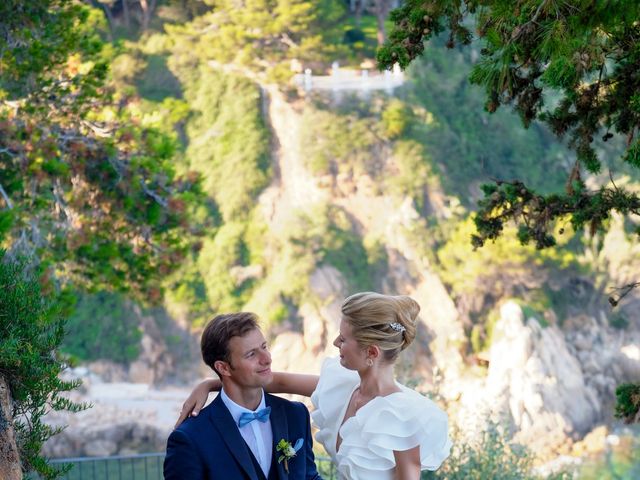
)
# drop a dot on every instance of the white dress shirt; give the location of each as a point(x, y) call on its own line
point(258, 435)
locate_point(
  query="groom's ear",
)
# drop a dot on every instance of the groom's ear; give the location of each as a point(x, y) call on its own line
point(223, 368)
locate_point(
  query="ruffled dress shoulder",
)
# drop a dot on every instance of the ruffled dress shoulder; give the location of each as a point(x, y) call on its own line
point(399, 421)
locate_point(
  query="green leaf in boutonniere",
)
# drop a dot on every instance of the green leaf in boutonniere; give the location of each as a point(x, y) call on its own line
point(288, 451)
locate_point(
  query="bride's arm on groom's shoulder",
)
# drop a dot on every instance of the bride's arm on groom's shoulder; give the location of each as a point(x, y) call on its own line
point(295, 383)
point(407, 464)
point(197, 399)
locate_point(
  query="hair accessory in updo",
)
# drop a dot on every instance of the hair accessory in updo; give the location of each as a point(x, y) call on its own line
point(398, 327)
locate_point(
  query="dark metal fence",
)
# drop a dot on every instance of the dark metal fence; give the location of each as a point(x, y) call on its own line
point(146, 466)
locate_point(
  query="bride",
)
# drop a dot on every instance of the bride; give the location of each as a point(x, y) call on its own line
point(372, 426)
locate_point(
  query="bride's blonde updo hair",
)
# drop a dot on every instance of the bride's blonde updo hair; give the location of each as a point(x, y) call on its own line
point(370, 316)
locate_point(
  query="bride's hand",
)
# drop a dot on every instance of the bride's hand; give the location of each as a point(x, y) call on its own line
point(196, 400)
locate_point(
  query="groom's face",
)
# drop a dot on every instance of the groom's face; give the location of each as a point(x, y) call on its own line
point(249, 360)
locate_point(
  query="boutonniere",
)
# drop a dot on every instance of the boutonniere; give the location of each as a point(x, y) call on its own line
point(288, 451)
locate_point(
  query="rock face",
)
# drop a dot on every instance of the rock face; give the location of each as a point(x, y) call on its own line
point(551, 386)
point(536, 381)
point(9, 459)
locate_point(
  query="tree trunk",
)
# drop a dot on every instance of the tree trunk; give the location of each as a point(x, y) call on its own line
point(106, 8)
point(382, 34)
point(9, 459)
point(127, 14)
point(359, 6)
point(148, 7)
point(381, 9)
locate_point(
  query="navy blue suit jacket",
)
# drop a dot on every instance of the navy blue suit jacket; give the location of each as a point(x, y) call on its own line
point(210, 447)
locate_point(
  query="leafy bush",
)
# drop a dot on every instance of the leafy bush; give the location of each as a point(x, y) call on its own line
point(628, 402)
point(413, 172)
point(156, 81)
point(328, 234)
point(463, 268)
point(470, 145)
point(228, 140)
point(103, 326)
point(619, 462)
point(31, 329)
point(353, 35)
point(218, 255)
point(491, 457)
point(186, 295)
point(396, 117)
point(337, 142)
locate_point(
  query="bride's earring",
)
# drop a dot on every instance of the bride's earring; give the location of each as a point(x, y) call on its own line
point(369, 362)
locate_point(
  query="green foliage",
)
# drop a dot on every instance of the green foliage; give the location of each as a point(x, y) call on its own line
point(463, 268)
point(491, 456)
point(481, 333)
point(628, 402)
point(395, 118)
point(413, 172)
point(103, 202)
point(356, 139)
point(125, 68)
point(308, 240)
point(360, 35)
point(185, 295)
point(632, 156)
point(103, 326)
point(569, 66)
point(336, 142)
point(38, 35)
point(537, 215)
point(31, 330)
point(470, 146)
point(343, 249)
point(620, 462)
point(327, 234)
point(217, 257)
point(265, 35)
point(228, 140)
point(532, 312)
point(157, 82)
point(619, 320)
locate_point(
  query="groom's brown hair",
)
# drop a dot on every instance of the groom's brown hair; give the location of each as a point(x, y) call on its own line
point(214, 343)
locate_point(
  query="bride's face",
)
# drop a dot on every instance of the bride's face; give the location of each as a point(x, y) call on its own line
point(352, 355)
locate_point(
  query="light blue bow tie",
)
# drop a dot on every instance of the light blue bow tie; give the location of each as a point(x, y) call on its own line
point(260, 415)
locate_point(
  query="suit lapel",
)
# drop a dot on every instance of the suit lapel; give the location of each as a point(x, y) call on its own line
point(223, 422)
point(280, 431)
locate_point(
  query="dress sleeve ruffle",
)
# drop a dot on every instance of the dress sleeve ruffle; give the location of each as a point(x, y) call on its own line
point(400, 421)
point(333, 391)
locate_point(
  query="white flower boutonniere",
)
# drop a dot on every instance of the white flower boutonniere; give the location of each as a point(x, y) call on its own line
point(288, 451)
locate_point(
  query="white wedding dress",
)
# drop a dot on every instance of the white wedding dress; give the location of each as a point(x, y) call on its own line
point(399, 421)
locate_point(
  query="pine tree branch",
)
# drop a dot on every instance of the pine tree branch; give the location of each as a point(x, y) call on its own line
point(8, 152)
point(537, 214)
point(6, 197)
point(161, 201)
point(626, 290)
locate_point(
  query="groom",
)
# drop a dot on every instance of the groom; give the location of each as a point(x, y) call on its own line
point(236, 436)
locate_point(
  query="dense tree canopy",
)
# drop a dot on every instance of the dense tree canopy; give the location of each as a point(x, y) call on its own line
point(83, 185)
point(266, 35)
point(571, 65)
